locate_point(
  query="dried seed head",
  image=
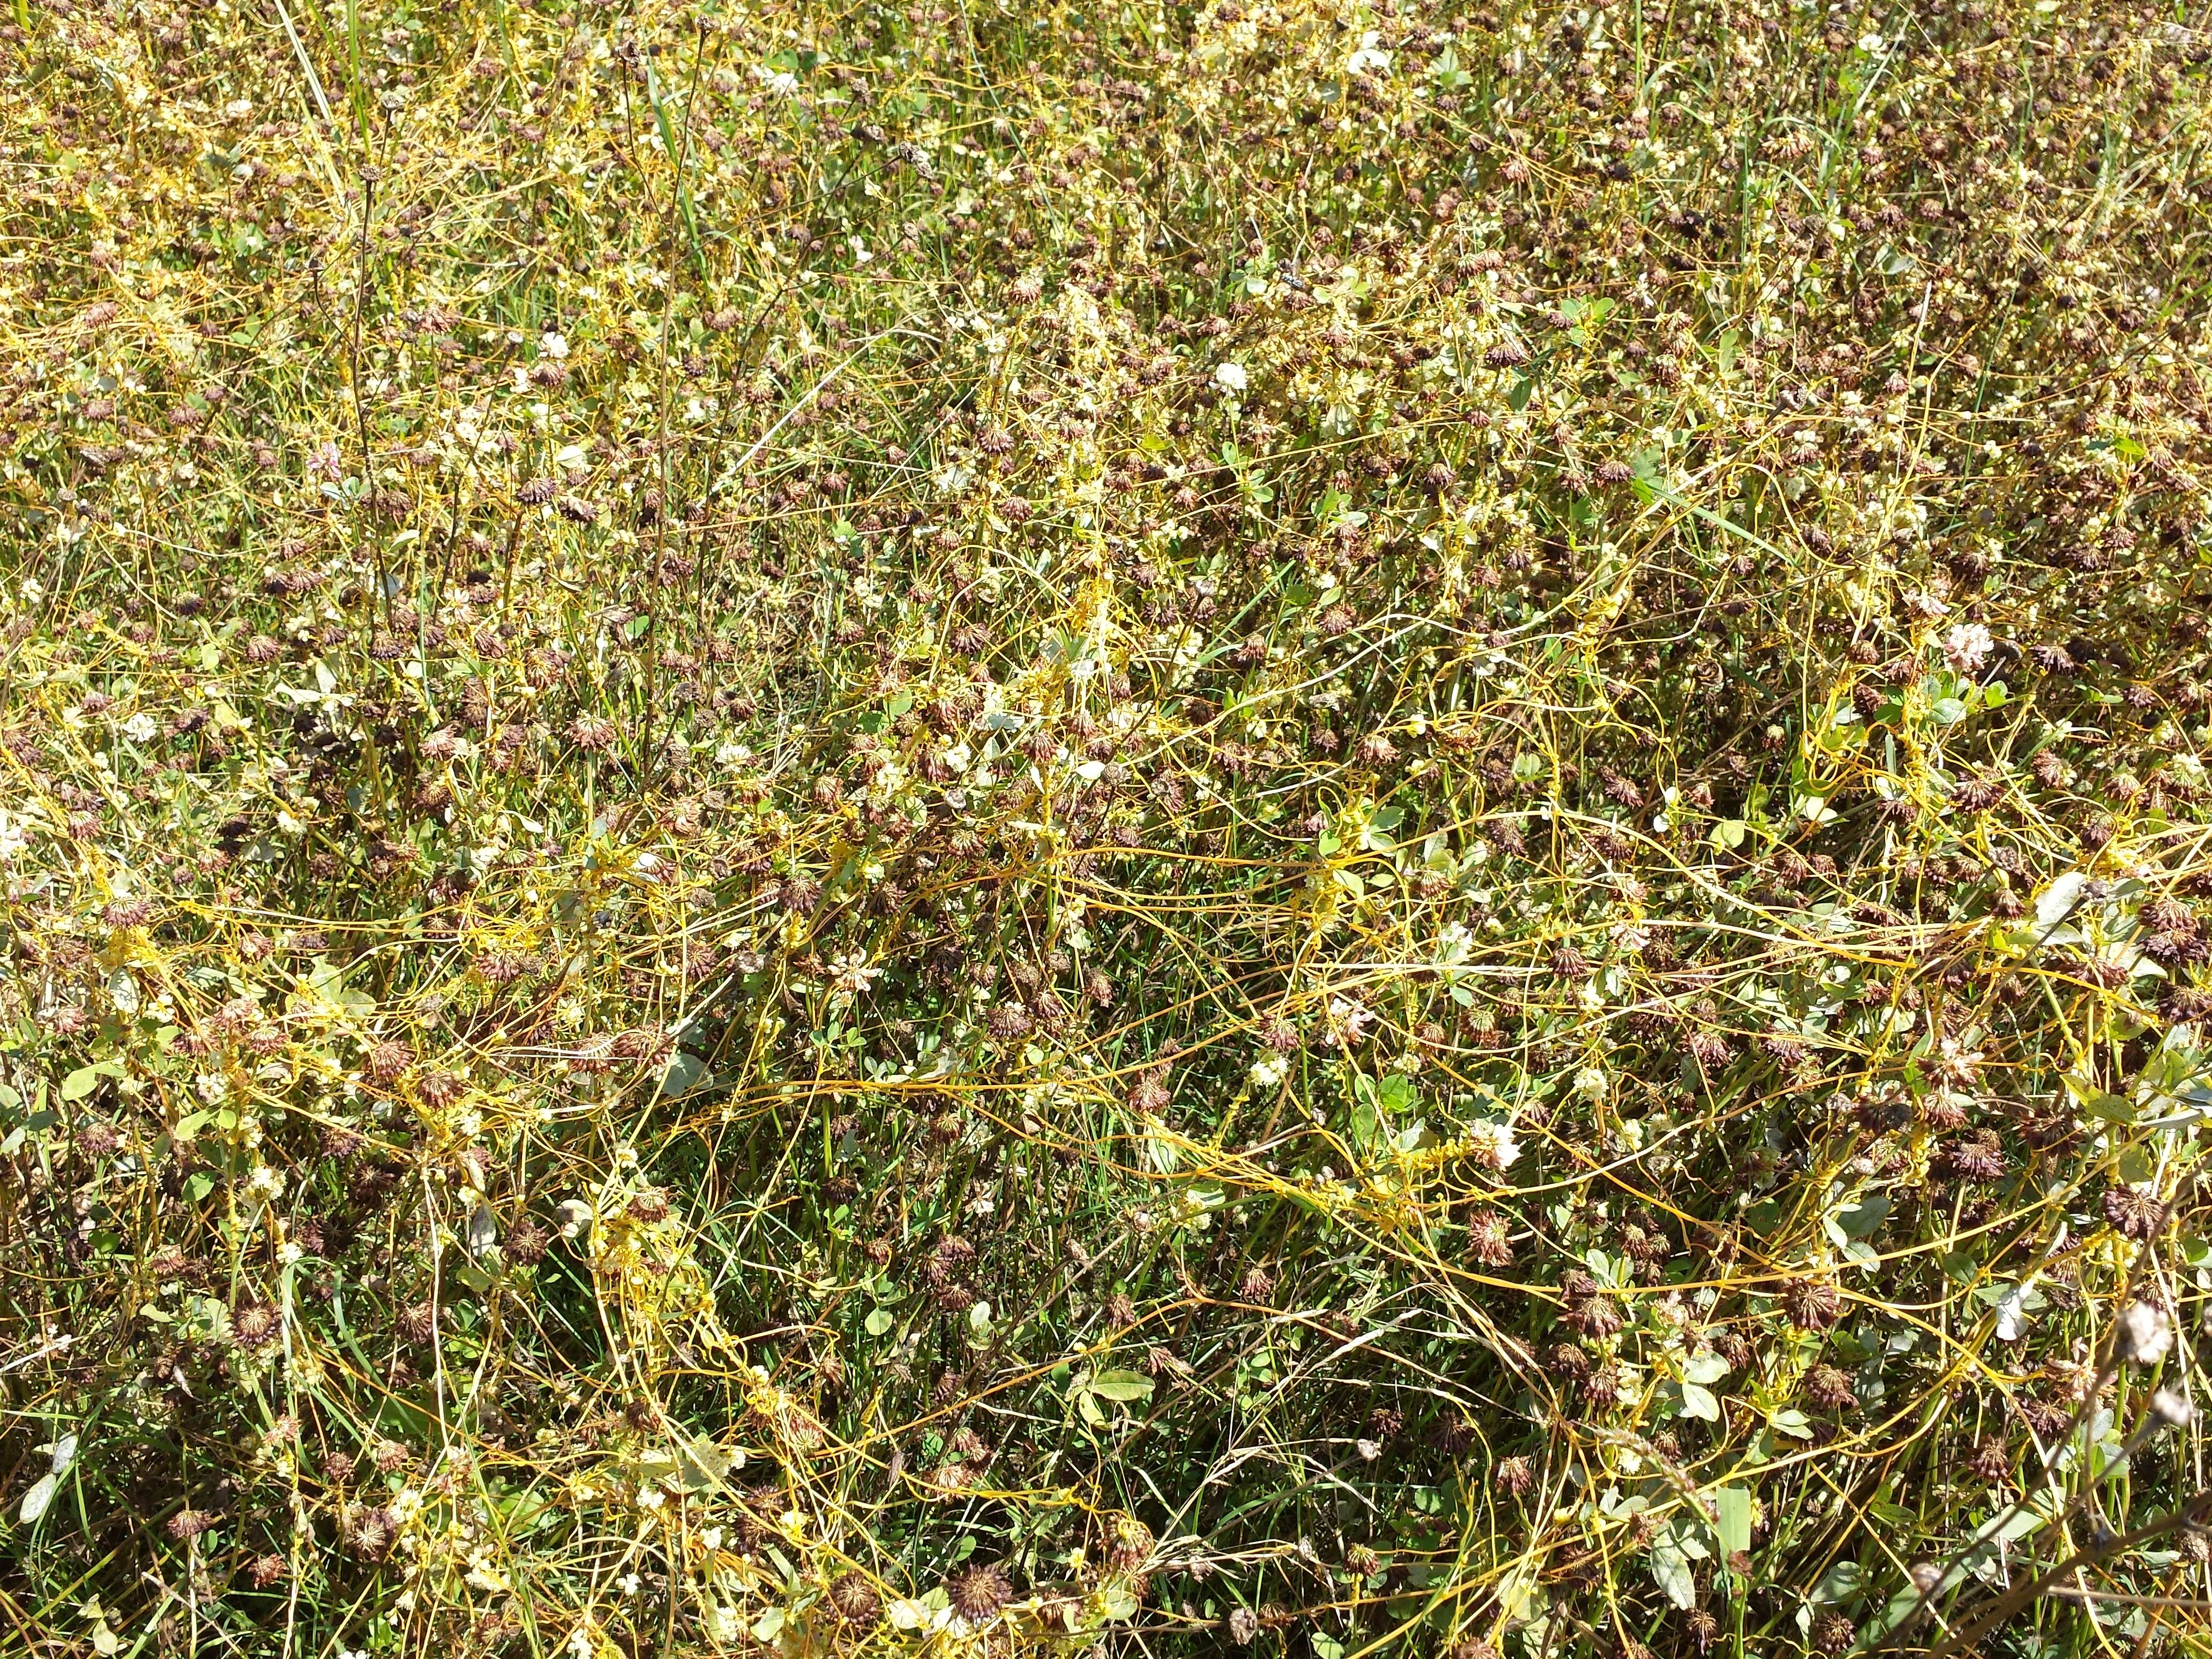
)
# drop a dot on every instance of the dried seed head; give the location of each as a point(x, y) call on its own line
point(978, 1593)
point(854, 1599)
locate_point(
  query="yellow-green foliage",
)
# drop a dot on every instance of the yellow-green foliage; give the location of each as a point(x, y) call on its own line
point(997, 828)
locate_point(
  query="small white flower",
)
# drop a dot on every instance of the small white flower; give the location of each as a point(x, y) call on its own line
point(1231, 377)
point(486, 1576)
point(211, 1086)
point(140, 727)
point(553, 344)
point(1871, 43)
point(1592, 1082)
point(1269, 1071)
point(628, 1583)
point(1966, 647)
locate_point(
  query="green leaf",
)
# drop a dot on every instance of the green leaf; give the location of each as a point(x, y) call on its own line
point(81, 1083)
point(38, 1499)
point(1700, 1402)
point(1670, 1571)
point(1729, 833)
point(1862, 1218)
point(1732, 1519)
point(1843, 1581)
point(2113, 1108)
point(1127, 1388)
point(877, 1322)
point(684, 1070)
point(197, 1187)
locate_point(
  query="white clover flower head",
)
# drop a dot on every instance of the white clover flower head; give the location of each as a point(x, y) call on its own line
point(1966, 647)
point(1231, 377)
point(1499, 1138)
point(2145, 1335)
point(1348, 1021)
point(852, 973)
point(2171, 1407)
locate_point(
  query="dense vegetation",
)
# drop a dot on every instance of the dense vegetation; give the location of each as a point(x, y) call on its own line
point(1274, 826)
